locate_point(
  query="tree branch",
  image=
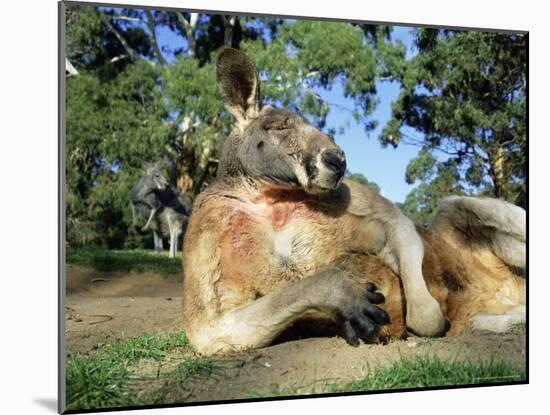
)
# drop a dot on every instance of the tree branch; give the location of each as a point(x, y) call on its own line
point(189, 28)
point(131, 53)
point(126, 18)
point(153, 37)
point(418, 142)
point(118, 58)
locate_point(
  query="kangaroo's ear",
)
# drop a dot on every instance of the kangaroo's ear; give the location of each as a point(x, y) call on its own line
point(158, 165)
point(239, 85)
point(147, 167)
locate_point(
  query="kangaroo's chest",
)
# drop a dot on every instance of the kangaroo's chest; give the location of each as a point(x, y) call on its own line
point(281, 241)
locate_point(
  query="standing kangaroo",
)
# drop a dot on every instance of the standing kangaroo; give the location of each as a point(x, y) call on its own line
point(164, 208)
point(272, 241)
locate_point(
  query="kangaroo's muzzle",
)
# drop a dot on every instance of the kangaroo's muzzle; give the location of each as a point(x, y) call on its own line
point(335, 160)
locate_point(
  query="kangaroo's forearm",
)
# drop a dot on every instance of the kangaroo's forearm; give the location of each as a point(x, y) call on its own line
point(258, 323)
point(151, 215)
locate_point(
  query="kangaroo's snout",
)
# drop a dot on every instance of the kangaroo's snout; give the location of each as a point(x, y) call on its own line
point(327, 171)
point(161, 182)
point(335, 160)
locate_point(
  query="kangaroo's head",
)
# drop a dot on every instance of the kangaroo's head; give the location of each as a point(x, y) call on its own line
point(273, 146)
point(154, 179)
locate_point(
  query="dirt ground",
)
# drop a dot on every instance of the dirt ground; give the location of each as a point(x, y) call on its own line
point(105, 307)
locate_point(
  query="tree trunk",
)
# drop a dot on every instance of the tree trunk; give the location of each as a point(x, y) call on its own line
point(184, 173)
point(229, 23)
point(189, 29)
point(496, 160)
point(209, 172)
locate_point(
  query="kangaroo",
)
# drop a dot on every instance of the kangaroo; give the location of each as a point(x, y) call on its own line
point(164, 208)
point(143, 195)
point(281, 236)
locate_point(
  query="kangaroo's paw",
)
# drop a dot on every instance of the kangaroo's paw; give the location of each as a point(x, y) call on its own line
point(359, 318)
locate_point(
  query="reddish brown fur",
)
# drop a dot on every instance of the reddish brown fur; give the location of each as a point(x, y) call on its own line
point(281, 236)
point(464, 279)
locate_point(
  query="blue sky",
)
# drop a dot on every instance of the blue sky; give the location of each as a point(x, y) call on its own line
point(364, 154)
point(385, 166)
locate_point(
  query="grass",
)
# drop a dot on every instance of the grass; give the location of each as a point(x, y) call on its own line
point(427, 371)
point(129, 373)
point(97, 383)
point(418, 372)
point(518, 328)
point(103, 380)
point(193, 367)
point(139, 260)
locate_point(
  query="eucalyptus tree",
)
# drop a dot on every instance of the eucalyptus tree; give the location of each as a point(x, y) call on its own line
point(135, 97)
point(463, 103)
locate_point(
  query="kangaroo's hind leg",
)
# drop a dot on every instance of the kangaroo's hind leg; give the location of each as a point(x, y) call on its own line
point(496, 224)
point(173, 244)
point(157, 239)
point(404, 254)
point(175, 231)
point(499, 323)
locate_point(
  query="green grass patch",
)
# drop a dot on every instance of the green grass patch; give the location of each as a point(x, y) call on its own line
point(97, 383)
point(518, 328)
point(152, 369)
point(429, 371)
point(418, 372)
point(139, 260)
point(103, 380)
point(194, 367)
point(146, 347)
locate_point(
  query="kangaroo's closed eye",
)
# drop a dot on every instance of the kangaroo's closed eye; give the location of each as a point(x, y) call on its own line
point(277, 127)
point(277, 124)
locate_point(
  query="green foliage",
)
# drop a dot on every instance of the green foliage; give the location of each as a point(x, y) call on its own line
point(360, 178)
point(437, 181)
point(191, 90)
point(113, 127)
point(421, 167)
point(465, 92)
point(300, 60)
point(128, 106)
point(125, 261)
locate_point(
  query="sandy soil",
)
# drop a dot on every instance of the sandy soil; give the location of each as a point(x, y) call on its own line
point(103, 307)
point(106, 307)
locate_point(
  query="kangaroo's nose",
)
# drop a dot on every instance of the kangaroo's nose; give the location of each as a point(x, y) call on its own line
point(335, 160)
